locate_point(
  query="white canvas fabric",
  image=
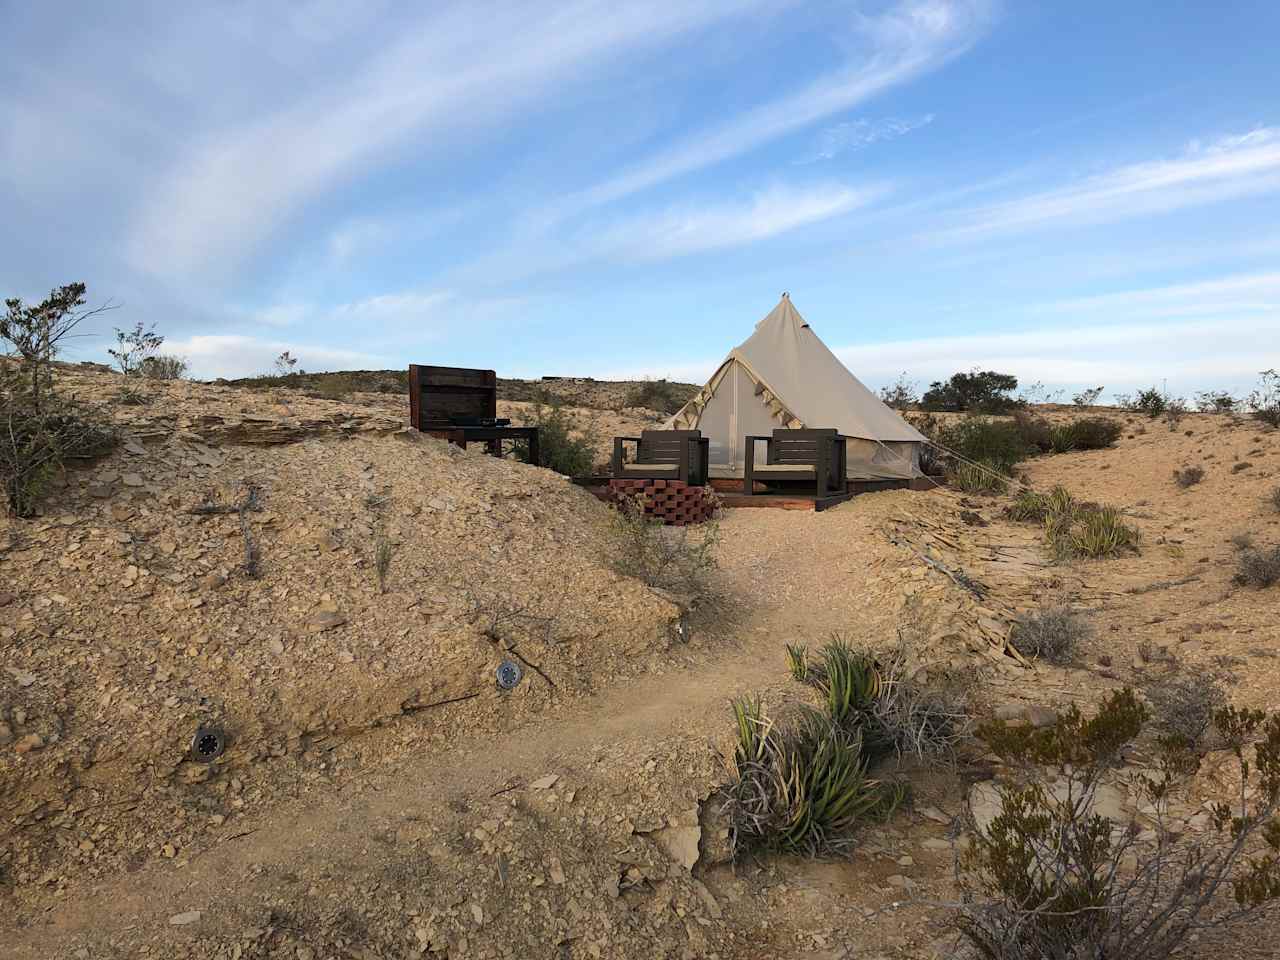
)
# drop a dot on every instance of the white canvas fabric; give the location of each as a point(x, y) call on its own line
point(784, 376)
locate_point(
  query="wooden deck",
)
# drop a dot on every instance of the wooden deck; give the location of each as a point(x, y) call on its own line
point(783, 501)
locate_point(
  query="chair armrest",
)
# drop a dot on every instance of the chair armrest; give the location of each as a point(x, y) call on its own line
point(631, 439)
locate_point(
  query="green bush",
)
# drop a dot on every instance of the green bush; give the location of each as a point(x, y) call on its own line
point(976, 478)
point(996, 442)
point(977, 392)
point(1072, 528)
point(802, 788)
point(163, 367)
point(37, 445)
point(677, 559)
point(558, 448)
point(1051, 878)
point(1036, 433)
point(1150, 401)
point(1096, 433)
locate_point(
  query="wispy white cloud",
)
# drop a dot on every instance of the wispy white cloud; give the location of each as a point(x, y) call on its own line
point(472, 64)
point(853, 135)
point(1230, 296)
point(690, 229)
point(910, 39)
point(1231, 167)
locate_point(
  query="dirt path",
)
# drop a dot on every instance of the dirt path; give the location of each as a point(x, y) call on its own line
point(780, 582)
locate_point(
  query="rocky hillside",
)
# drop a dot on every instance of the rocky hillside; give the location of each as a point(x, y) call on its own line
point(221, 566)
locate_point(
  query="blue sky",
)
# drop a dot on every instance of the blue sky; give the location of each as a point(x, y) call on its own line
point(1077, 193)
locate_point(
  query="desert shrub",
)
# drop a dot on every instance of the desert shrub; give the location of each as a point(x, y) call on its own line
point(1272, 499)
point(1072, 528)
point(977, 391)
point(36, 445)
point(660, 395)
point(558, 448)
point(1215, 401)
point(1264, 402)
point(1062, 438)
point(918, 714)
point(1184, 705)
point(1174, 410)
point(1036, 433)
point(677, 559)
point(1087, 398)
point(1028, 506)
point(976, 478)
point(163, 367)
point(1050, 878)
point(1188, 476)
point(1257, 567)
point(799, 788)
point(996, 442)
point(1102, 532)
point(1051, 633)
point(134, 347)
point(901, 394)
point(1096, 433)
point(1150, 401)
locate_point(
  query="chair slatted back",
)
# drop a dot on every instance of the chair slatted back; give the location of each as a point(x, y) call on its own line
point(663, 446)
point(800, 447)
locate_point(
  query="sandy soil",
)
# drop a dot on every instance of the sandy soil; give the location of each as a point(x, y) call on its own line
point(573, 821)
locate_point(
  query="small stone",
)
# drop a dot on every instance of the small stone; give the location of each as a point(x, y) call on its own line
point(544, 783)
point(905, 861)
point(213, 581)
point(169, 851)
point(6, 598)
point(326, 620)
point(898, 880)
point(555, 871)
point(936, 843)
point(477, 914)
point(346, 656)
point(182, 919)
point(25, 678)
point(934, 814)
point(275, 646)
point(131, 480)
point(32, 741)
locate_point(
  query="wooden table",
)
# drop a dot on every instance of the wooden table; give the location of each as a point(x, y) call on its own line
point(491, 437)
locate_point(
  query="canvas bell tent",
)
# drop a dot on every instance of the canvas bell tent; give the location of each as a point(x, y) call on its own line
point(784, 376)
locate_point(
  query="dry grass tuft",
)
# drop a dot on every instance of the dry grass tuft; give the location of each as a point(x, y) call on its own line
point(1050, 633)
point(1188, 476)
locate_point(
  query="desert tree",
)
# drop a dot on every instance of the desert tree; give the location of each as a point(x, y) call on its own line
point(134, 347)
point(36, 331)
point(286, 364)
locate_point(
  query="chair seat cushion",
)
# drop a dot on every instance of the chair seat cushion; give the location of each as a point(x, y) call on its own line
point(654, 468)
point(800, 469)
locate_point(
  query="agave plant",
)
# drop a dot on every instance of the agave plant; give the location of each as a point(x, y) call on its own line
point(798, 661)
point(1063, 438)
point(848, 680)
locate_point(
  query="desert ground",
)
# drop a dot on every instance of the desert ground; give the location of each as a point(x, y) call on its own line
point(380, 797)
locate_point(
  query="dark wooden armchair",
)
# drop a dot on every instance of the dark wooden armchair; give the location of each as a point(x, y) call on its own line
point(664, 455)
point(816, 456)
